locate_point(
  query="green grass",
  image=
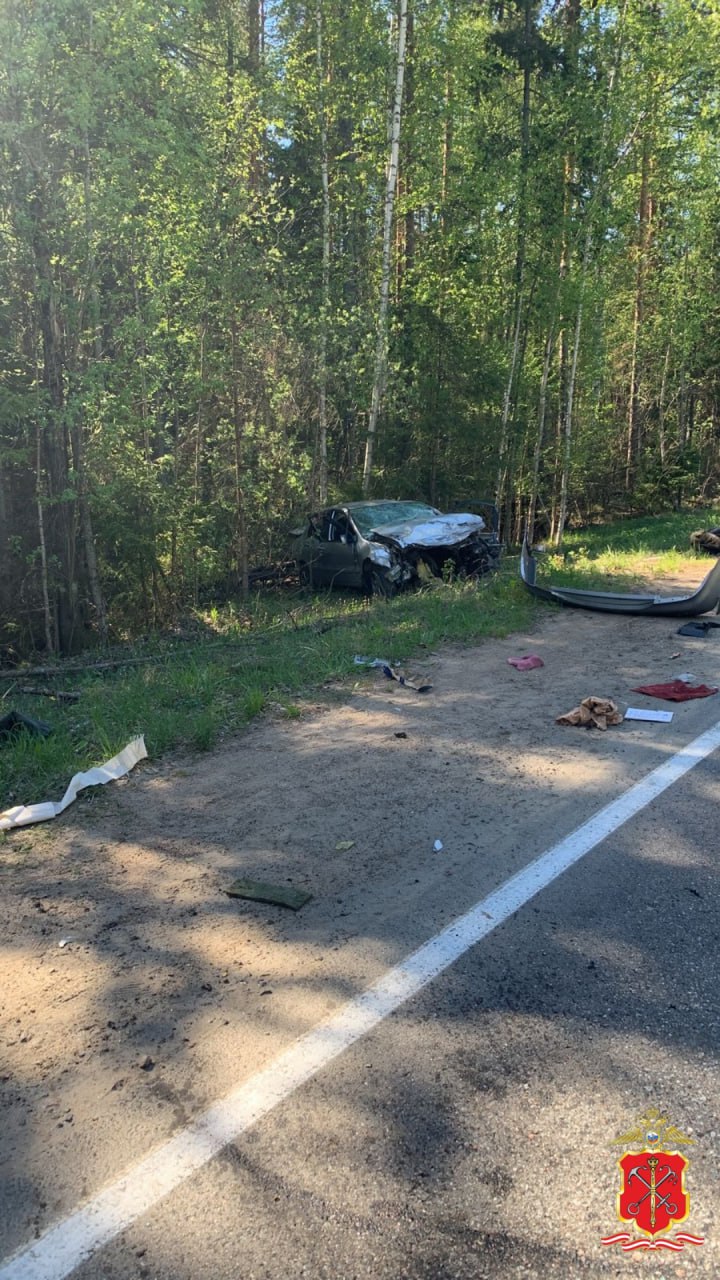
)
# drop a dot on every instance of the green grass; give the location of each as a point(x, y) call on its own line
point(272, 655)
point(647, 535)
point(234, 663)
point(629, 552)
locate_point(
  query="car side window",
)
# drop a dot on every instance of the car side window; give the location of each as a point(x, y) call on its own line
point(342, 528)
point(325, 529)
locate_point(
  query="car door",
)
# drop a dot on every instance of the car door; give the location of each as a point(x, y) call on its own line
point(329, 549)
point(339, 552)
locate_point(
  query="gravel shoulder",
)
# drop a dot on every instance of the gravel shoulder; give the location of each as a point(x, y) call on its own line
point(135, 991)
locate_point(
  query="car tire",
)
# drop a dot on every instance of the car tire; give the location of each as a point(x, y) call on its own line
point(377, 583)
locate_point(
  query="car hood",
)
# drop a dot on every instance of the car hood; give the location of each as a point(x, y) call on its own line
point(438, 531)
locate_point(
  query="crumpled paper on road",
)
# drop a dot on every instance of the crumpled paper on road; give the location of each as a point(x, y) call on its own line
point(593, 713)
point(25, 814)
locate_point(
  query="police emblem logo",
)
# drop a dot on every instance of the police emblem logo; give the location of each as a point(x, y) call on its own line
point(653, 1196)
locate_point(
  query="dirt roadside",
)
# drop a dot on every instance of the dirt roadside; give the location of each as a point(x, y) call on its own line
point(135, 991)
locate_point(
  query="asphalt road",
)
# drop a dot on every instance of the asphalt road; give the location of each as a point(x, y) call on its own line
point(470, 1133)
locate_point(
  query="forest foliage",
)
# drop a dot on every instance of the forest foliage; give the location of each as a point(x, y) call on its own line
point(197, 239)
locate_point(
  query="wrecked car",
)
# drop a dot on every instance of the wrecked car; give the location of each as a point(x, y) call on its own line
point(706, 540)
point(381, 546)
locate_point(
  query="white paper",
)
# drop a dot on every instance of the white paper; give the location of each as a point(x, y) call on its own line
point(639, 713)
point(25, 814)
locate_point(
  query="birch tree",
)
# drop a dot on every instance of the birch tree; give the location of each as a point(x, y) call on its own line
point(381, 339)
point(325, 270)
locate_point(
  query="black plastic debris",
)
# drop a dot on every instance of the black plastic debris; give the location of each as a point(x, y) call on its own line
point(698, 628)
point(14, 722)
point(391, 674)
point(276, 895)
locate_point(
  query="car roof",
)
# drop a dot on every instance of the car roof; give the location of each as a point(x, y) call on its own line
point(371, 502)
point(382, 502)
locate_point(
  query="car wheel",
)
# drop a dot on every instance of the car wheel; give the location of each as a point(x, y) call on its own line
point(487, 561)
point(377, 583)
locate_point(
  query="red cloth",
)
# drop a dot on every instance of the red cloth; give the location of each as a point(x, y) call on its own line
point(527, 663)
point(676, 691)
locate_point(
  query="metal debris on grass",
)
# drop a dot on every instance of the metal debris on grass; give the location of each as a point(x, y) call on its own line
point(14, 722)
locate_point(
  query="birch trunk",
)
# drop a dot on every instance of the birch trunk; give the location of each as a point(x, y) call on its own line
point(241, 543)
point(47, 615)
point(325, 286)
point(559, 524)
point(87, 533)
point(645, 211)
point(540, 433)
point(59, 527)
point(381, 343)
point(199, 440)
point(661, 407)
point(446, 152)
point(515, 358)
point(505, 420)
point(567, 453)
point(86, 524)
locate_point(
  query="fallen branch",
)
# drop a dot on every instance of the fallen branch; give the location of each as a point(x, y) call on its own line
point(197, 649)
point(62, 695)
point(49, 673)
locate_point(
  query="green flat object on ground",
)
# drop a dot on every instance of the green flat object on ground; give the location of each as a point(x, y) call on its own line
point(277, 895)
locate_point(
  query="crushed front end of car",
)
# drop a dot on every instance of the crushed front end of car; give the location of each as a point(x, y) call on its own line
point(462, 544)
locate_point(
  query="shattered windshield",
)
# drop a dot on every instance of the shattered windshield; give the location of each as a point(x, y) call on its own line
point(377, 514)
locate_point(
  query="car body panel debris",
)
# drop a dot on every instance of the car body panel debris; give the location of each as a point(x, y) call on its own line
point(25, 814)
point(382, 546)
point(706, 597)
point(15, 722)
point(706, 540)
point(277, 895)
point(391, 674)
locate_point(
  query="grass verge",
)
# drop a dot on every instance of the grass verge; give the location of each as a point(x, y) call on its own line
point(195, 692)
point(627, 554)
point(192, 695)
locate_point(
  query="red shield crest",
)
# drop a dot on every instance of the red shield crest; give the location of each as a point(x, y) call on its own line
point(652, 1193)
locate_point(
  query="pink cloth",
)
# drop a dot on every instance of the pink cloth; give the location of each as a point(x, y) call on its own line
point(527, 663)
point(676, 691)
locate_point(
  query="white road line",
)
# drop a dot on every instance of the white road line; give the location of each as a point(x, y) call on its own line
point(76, 1238)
